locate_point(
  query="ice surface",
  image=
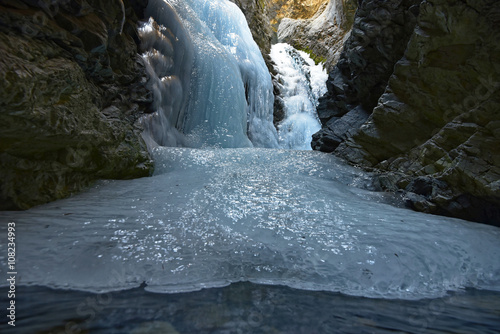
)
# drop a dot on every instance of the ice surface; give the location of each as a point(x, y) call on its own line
point(229, 97)
point(168, 58)
point(212, 217)
point(302, 83)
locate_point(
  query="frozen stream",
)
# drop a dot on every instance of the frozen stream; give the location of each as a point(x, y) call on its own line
point(213, 217)
point(232, 234)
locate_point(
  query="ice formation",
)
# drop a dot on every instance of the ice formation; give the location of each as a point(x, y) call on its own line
point(302, 82)
point(215, 216)
point(223, 97)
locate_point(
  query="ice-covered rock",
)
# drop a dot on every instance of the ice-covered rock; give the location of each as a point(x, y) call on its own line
point(229, 99)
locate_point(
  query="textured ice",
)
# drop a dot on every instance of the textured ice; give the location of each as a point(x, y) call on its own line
point(168, 59)
point(229, 100)
point(302, 83)
point(212, 217)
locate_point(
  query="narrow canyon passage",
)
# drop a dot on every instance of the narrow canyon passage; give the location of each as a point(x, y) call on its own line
point(242, 228)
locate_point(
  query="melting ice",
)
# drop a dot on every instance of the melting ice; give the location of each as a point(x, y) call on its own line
point(215, 216)
point(302, 82)
point(211, 85)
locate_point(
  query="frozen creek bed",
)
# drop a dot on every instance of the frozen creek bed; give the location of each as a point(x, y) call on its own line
point(271, 218)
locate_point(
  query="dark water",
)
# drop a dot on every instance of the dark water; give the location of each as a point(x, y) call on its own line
point(249, 308)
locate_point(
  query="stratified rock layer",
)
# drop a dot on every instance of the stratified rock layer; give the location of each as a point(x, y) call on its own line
point(71, 89)
point(435, 131)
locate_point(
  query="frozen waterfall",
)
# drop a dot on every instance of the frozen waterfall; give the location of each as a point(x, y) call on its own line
point(301, 82)
point(210, 83)
point(303, 232)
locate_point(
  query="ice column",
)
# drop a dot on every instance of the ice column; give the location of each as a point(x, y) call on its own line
point(229, 97)
point(168, 55)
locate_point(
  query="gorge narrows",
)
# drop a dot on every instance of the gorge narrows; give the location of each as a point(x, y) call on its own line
point(242, 228)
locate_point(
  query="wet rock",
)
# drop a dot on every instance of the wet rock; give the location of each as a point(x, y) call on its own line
point(72, 87)
point(438, 116)
point(337, 129)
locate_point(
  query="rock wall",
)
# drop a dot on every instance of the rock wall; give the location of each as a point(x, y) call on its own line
point(378, 40)
point(292, 9)
point(323, 35)
point(71, 90)
point(434, 132)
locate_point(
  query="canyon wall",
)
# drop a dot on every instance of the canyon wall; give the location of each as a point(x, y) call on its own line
point(421, 106)
point(323, 34)
point(72, 87)
point(318, 27)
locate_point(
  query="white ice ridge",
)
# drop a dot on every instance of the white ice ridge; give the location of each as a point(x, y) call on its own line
point(212, 217)
point(302, 83)
point(228, 101)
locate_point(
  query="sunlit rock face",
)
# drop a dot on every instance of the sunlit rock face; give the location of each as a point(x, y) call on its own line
point(71, 89)
point(322, 34)
point(293, 9)
point(435, 128)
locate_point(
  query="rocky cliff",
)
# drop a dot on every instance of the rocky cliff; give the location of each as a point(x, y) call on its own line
point(323, 34)
point(378, 40)
point(421, 105)
point(71, 89)
point(292, 9)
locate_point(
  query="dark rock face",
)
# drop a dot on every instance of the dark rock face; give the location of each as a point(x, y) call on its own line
point(72, 87)
point(378, 40)
point(434, 132)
